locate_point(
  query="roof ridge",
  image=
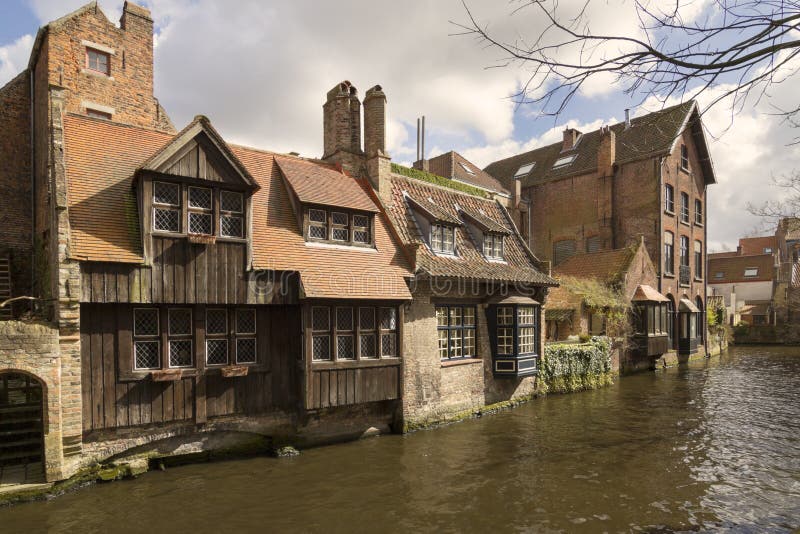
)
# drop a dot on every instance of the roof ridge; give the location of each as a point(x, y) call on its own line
point(442, 187)
point(87, 118)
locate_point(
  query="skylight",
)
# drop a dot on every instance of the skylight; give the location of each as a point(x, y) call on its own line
point(467, 169)
point(524, 170)
point(566, 160)
point(751, 271)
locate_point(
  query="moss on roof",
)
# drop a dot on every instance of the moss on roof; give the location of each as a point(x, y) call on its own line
point(438, 180)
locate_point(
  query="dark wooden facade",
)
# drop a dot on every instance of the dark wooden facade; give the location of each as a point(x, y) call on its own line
point(113, 398)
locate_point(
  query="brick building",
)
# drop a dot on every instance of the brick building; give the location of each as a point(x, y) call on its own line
point(191, 292)
point(603, 190)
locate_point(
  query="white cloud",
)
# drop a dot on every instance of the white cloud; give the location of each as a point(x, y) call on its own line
point(14, 58)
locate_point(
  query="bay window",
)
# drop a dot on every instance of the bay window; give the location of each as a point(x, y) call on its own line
point(514, 324)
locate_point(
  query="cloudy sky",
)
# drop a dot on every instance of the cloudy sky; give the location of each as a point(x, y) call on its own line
point(260, 71)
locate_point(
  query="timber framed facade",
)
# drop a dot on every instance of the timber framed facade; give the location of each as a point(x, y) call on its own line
point(189, 288)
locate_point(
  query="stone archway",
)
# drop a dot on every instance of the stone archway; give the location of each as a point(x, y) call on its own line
point(22, 418)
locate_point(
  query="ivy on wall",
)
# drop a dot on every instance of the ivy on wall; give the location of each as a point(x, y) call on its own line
point(569, 367)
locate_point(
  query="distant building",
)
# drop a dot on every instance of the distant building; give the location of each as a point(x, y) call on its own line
point(600, 190)
point(746, 282)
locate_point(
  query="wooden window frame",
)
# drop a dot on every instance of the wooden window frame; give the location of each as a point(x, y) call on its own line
point(232, 214)
point(698, 212)
point(493, 239)
point(685, 218)
point(515, 326)
point(106, 55)
point(333, 333)
point(669, 199)
point(698, 260)
point(669, 253)
point(146, 338)
point(684, 260)
point(240, 335)
point(330, 226)
point(179, 208)
point(216, 336)
point(194, 210)
point(684, 161)
point(170, 337)
point(438, 245)
point(461, 329)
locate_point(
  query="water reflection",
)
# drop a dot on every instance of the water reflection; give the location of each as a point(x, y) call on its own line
point(716, 445)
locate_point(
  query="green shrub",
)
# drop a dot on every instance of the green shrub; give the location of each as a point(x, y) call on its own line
point(438, 180)
point(567, 368)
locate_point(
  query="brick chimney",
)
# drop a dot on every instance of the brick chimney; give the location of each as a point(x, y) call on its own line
point(379, 165)
point(342, 120)
point(375, 122)
point(137, 53)
point(606, 152)
point(571, 135)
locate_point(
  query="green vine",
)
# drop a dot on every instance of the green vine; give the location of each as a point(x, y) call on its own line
point(438, 180)
point(603, 299)
point(567, 368)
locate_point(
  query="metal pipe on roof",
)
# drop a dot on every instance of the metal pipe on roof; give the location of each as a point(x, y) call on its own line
point(423, 139)
point(418, 127)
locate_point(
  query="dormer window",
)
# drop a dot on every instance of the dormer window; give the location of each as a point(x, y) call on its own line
point(201, 218)
point(467, 169)
point(198, 212)
point(166, 207)
point(98, 61)
point(231, 214)
point(564, 161)
point(338, 227)
point(524, 170)
point(443, 239)
point(493, 246)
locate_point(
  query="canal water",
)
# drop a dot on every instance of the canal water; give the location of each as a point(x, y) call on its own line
point(713, 446)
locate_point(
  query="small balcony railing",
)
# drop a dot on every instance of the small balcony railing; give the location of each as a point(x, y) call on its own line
point(685, 275)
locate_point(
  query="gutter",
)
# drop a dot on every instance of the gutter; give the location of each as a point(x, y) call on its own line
point(660, 165)
point(33, 184)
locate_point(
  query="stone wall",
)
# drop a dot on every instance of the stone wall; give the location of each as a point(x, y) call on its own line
point(32, 348)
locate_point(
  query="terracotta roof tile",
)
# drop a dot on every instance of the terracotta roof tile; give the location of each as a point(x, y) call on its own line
point(446, 214)
point(731, 269)
point(101, 158)
point(324, 184)
point(470, 263)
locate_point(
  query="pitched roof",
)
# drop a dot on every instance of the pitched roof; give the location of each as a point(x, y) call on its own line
point(432, 210)
point(322, 183)
point(649, 135)
point(607, 266)
point(645, 293)
point(757, 245)
point(455, 166)
point(519, 264)
point(101, 159)
point(733, 268)
point(484, 222)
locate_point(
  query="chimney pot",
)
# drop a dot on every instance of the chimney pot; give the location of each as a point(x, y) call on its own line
point(375, 122)
point(342, 120)
point(571, 135)
point(627, 118)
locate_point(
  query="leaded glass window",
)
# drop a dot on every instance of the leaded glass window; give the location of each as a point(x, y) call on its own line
point(320, 327)
point(505, 330)
point(443, 238)
point(246, 336)
point(361, 229)
point(340, 230)
point(166, 207)
point(493, 246)
point(146, 344)
point(180, 337)
point(317, 224)
point(456, 331)
point(231, 214)
point(200, 211)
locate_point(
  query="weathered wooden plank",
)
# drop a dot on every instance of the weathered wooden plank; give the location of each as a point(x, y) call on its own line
point(341, 376)
point(188, 398)
point(221, 274)
point(179, 259)
point(134, 404)
point(168, 272)
point(145, 404)
point(232, 272)
point(315, 390)
point(333, 391)
point(157, 402)
point(211, 396)
point(121, 405)
point(123, 274)
point(168, 398)
point(351, 386)
point(200, 399)
point(86, 369)
point(86, 282)
point(200, 275)
point(155, 274)
point(97, 376)
point(110, 284)
point(324, 389)
point(98, 287)
point(108, 326)
point(211, 274)
point(190, 274)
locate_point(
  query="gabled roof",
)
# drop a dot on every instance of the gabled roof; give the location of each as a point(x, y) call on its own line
point(455, 166)
point(200, 125)
point(733, 268)
point(322, 183)
point(648, 136)
point(519, 264)
point(433, 211)
point(645, 293)
point(607, 266)
point(101, 158)
point(482, 221)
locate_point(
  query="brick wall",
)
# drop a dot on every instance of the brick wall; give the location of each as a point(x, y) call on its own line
point(15, 180)
point(128, 90)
